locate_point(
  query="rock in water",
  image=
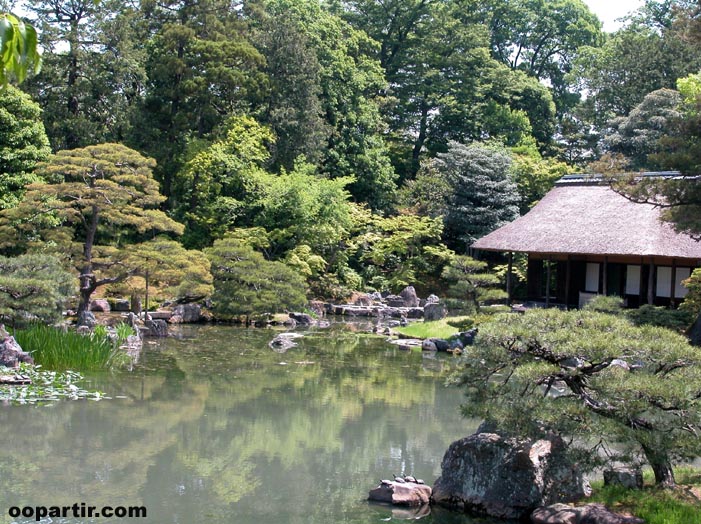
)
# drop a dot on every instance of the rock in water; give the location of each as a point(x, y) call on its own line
point(11, 354)
point(401, 493)
point(507, 478)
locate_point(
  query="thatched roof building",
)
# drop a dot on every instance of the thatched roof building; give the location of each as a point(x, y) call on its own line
point(594, 240)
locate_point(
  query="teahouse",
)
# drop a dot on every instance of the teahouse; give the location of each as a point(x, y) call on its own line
point(583, 239)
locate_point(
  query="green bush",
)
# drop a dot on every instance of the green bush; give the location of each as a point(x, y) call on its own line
point(674, 319)
point(605, 304)
point(56, 349)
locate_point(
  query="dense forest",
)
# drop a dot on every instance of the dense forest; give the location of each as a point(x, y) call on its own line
point(268, 151)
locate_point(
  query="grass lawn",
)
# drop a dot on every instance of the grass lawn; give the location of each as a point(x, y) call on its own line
point(657, 506)
point(433, 329)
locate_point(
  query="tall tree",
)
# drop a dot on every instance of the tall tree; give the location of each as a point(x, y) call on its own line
point(633, 62)
point(23, 144)
point(96, 197)
point(93, 70)
point(637, 135)
point(246, 284)
point(542, 38)
point(483, 193)
point(293, 106)
point(201, 69)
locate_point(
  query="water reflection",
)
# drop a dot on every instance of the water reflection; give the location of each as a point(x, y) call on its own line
point(213, 426)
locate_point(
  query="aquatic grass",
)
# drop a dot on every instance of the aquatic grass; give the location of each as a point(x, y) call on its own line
point(56, 349)
point(46, 386)
point(653, 504)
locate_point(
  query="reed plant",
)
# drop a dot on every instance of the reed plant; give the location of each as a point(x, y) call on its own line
point(56, 349)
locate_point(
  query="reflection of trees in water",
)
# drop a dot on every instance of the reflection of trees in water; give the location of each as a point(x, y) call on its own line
point(227, 423)
point(96, 451)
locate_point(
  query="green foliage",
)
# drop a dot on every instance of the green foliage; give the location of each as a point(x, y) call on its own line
point(654, 505)
point(180, 273)
point(397, 251)
point(245, 284)
point(56, 349)
point(33, 287)
point(692, 301)
point(542, 38)
point(677, 320)
point(96, 196)
point(648, 59)
point(605, 304)
point(46, 386)
point(534, 175)
point(201, 69)
point(637, 135)
point(23, 144)
point(19, 53)
point(470, 284)
point(548, 370)
point(483, 194)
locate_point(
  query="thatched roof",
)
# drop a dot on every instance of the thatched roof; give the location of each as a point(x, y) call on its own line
point(581, 217)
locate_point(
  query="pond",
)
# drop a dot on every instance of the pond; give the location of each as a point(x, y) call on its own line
point(212, 426)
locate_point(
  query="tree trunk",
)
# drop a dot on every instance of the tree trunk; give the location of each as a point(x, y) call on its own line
point(661, 466)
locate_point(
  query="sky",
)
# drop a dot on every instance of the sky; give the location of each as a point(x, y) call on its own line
point(609, 10)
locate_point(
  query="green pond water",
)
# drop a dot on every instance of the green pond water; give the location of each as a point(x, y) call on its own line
point(212, 426)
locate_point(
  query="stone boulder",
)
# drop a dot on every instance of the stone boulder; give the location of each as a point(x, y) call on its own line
point(435, 344)
point(409, 297)
point(11, 353)
point(467, 338)
point(87, 318)
point(434, 311)
point(628, 478)
point(121, 305)
point(401, 493)
point(302, 319)
point(155, 328)
point(100, 305)
point(394, 301)
point(497, 476)
point(587, 514)
point(186, 314)
point(284, 341)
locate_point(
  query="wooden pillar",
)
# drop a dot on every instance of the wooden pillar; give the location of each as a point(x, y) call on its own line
point(547, 282)
point(509, 271)
point(674, 281)
point(640, 283)
point(604, 278)
point(568, 279)
point(651, 283)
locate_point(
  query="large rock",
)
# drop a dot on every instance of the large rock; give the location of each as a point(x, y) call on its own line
point(303, 319)
point(434, 311)
point(409, 297)
point(87, 318)
point(401, 494)
point(627, 478)
point(11, 353)
point(394, 301)
point(186, 314)
point(155, 328)
point(100, 305)
point(587, 514)
point(489, 474)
